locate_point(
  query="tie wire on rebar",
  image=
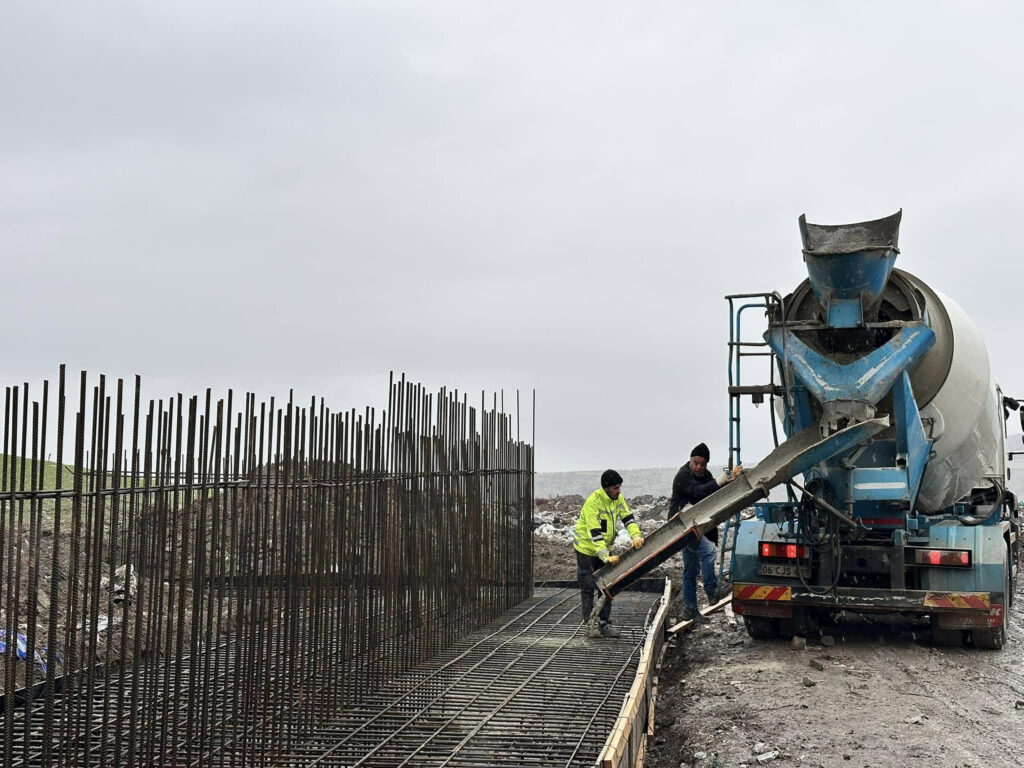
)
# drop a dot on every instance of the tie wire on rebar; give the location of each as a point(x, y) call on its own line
point(199, 581)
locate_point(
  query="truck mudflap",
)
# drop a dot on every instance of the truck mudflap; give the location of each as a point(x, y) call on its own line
point(955, 609)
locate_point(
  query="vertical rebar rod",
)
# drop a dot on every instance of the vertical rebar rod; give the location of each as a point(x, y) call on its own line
point(217, 581)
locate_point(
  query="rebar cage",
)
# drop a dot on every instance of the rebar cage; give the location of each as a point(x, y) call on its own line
point(206, 581)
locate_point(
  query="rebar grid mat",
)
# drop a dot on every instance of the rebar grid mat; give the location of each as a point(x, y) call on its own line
point(207, 581)
point(529, 689)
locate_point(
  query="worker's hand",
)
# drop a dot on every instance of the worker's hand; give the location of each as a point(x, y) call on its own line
point(611, 560)
point(736, 471)
point(638, 542)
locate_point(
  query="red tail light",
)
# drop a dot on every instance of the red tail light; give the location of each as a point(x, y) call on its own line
point(949, 558)
point(782, 550)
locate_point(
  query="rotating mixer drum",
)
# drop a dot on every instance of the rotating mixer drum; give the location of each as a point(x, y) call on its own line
point(952, 383)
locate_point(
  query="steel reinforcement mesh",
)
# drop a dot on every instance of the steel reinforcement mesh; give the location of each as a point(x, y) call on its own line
point(203, 582)
point(530, 689)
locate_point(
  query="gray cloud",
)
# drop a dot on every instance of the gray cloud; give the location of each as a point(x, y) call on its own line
point(486, 196)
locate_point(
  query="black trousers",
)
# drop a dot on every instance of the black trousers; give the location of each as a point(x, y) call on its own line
point(585, 567)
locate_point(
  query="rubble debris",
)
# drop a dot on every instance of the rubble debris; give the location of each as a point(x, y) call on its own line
point(818, 664)
point(554, 521)
point(799, 643)
point(124, 588)
point(768, 756)
point(556, 517)
point(550, 531)
point(662, 720)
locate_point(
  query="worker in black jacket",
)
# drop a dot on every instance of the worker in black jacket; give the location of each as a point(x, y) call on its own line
point(692, 483)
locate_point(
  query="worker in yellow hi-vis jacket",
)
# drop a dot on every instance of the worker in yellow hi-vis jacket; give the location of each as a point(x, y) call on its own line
point(595, 532)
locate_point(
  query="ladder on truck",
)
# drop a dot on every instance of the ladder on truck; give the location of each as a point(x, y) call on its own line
point(738, 351)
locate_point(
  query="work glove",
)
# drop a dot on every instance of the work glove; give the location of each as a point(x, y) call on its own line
point(611, 560)
point(728, 477)
point(638, 542)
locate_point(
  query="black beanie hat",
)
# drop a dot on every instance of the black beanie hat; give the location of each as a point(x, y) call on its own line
point(701, 450)
point(609, 478)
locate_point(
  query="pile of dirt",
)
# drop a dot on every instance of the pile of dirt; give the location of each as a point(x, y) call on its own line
point(559, 510)
point(103, 631)
point(562, 510)
point(555, 518)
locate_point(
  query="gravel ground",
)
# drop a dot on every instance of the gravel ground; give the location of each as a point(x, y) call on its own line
point(882, 695)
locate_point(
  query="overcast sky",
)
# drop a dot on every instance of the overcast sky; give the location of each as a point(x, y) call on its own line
point(488, 195)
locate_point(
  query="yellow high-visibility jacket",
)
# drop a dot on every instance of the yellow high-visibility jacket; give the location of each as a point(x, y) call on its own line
point(595, 527)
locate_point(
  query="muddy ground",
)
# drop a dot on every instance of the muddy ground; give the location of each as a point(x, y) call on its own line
point(882, 695)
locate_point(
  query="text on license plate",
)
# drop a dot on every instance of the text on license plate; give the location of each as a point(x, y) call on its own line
point(783, 571)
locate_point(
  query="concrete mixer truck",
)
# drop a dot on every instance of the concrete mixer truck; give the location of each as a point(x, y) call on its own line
point(890, 413)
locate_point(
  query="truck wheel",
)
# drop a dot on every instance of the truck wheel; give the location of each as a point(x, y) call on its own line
point(993, 638)
point(804, 622)
point(761, 627)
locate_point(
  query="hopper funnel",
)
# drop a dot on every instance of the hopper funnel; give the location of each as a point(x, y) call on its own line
point(849, 265)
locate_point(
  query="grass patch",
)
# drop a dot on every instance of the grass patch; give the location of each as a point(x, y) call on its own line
point(49, 473)
point(47, 482)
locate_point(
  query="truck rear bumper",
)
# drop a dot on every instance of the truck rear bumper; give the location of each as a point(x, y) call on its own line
point(962, 609)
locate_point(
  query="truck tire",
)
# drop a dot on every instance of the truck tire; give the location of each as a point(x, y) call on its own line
point(993, 638)
point(804, 623)
point(761, 627)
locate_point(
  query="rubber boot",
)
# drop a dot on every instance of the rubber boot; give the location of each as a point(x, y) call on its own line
point(692, 614)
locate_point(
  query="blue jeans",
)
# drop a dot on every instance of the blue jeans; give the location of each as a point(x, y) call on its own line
point(704, 552)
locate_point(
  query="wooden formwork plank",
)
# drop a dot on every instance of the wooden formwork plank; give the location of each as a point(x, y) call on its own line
point(618, 740)
point(684, 625)
point(642, 752)
point(730, 616)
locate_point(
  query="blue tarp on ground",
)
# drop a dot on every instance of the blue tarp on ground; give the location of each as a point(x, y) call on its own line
point(22, 650)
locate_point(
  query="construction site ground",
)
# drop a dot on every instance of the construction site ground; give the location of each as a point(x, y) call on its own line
point(881, 695)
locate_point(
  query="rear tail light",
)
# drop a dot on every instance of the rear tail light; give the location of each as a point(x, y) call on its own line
point(947, 558)
point(782, 550)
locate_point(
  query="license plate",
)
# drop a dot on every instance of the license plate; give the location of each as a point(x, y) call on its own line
point(783, 571)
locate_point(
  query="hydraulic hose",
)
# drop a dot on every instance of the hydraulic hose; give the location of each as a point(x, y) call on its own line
point(826, 537)
point(975, 520)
